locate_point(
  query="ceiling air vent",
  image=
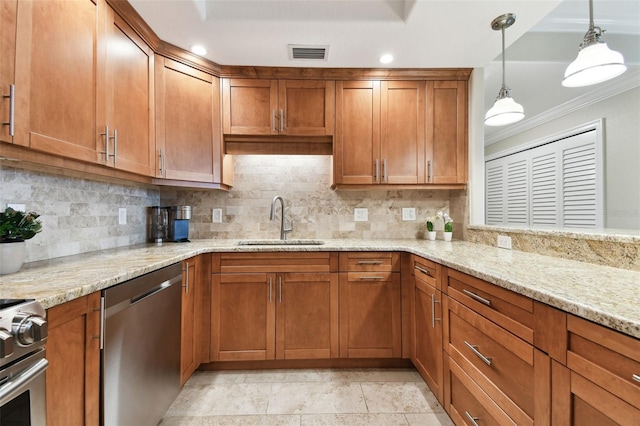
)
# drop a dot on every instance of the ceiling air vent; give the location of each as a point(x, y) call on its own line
point(302, 52)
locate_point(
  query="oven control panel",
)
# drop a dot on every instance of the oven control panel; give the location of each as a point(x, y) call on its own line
point(23, 329)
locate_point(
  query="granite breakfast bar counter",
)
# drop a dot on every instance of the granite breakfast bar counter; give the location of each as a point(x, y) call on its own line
point(604, 295)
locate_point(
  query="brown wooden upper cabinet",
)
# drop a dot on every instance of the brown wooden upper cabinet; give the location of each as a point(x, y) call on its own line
point(126, 100)
point(83, 85)
point(278, 107)
point(400, 133)
point(8, 10)
point(187, 123)
point(380, 132)
point(447, 132)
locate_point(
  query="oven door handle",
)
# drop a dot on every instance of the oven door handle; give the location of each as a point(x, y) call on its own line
point(15, 385)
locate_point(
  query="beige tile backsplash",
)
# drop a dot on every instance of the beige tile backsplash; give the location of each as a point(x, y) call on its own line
point(317, 210)
point(81, 215)
point(78, 215)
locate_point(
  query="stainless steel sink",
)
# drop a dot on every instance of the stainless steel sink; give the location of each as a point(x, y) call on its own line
point(293, 242)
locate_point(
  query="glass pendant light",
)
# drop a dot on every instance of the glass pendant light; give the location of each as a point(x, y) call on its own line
point(505, 110)
point(595, 62)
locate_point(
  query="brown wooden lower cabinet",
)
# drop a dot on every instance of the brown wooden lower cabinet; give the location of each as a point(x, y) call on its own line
point(73, 352)
point(195, 329)
point(426, 308)
point(274, 315)
point(600, 384)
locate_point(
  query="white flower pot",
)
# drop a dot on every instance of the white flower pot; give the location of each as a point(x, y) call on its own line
point(447, 236)
point(431, 235)
point(12, 257)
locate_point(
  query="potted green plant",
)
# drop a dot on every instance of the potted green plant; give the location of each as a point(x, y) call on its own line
point(448, 225)
point(431, 233)
point(16, 227)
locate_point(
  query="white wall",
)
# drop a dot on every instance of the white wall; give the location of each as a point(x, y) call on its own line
point(621, 115)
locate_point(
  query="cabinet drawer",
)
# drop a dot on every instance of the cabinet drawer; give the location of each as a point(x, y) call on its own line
point(499, 362)
point(370, 276)
point(468, 404)
point(370, 261)
point(506, 308)
point(426, 271)
point(606, 357)
point(274, 262)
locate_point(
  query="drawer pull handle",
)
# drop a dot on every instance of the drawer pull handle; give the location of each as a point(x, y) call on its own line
point(433, 311)
point(371, 277)
point(472, 419)
point(369, 262)
point(424, 271)
point(270, 290)
point(475, 350)
point(476, 297)
point(636, 378)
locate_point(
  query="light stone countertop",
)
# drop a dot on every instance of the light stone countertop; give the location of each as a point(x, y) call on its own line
point(605, 295)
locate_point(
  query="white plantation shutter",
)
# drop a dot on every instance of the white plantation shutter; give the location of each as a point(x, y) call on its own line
point(495, 193)
point(556, 184)
point(580, 189)
point(544, 186)
point(518, 191)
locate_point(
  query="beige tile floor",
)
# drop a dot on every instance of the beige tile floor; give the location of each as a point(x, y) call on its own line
point(350, 397)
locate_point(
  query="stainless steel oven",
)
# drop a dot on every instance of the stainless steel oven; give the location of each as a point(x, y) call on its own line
point(23, 330)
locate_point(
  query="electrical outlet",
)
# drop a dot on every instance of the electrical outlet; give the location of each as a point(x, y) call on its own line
point(18, 207)
point(360, 214)
point(504, 241)
point(408, 214)
point(122, 216)
point(216, 216)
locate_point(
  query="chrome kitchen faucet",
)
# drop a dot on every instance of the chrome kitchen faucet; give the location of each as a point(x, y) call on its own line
point(283, 229)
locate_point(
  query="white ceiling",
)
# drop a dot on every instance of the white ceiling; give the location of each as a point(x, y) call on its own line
point(419, 34)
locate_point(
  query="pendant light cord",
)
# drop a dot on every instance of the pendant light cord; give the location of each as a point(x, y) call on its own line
point(503, 67)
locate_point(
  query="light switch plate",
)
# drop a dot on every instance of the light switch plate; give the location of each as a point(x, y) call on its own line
point(408, 214)
point(504, 241)
point(360, 214)
point(216, 216)
point(122, 216)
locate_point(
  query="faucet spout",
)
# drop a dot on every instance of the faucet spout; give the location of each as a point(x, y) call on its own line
point(283, 229)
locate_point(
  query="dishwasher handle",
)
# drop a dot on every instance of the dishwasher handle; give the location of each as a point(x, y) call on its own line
point(151, 292)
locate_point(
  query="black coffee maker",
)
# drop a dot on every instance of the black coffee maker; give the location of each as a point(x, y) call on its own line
point(179, 217)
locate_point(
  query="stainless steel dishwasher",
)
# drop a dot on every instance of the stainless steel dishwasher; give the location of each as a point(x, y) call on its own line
point(141, 348)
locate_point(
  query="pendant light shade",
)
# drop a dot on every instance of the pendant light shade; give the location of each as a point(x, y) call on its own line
point(505, 110)
point(595, 62)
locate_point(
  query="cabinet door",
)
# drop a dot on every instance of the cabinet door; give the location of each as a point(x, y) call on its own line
point(56, 46)
point(402, 131)
point(250, 106)
point(579, 401)
point(428, 335)
point(126, 99)
point(370, 317)
point(447, 132)
point(189, 360)
point(307, 316)
point(306, 107)
point(357, 139)
point(243, 317)
point(8, 10)
point(73, 352)
point(187, 123)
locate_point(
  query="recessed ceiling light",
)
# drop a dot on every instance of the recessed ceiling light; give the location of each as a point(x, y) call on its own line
point(386, 59)
point(198, 50)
